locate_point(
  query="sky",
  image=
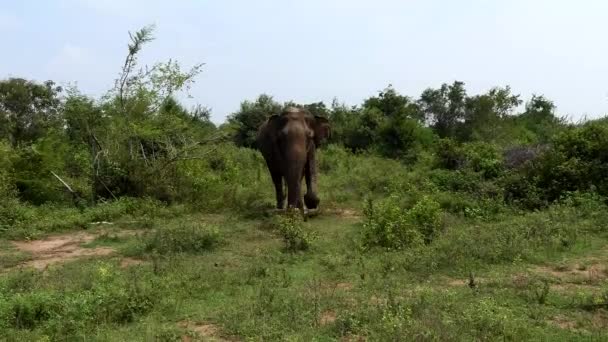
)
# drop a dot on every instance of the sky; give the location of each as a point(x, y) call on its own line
point(318, 50)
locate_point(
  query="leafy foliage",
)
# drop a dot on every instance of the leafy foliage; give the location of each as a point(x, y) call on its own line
point(250, 116)
point(291, 227)
point(184, 238)
point(28, 110)
point(388, 225)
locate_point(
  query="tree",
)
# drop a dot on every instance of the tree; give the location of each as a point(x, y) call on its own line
point(391, 104)
point(28, 109)
point(444, 108)
point(486, 114)
point(318, 109)
point(148, 132)
point(344, 121)
point(250, 116)
point(539, 117)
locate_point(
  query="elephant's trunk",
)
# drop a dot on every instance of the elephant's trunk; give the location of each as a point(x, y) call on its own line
point(296, 157)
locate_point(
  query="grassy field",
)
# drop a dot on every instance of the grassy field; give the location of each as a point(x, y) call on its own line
point(528, 276)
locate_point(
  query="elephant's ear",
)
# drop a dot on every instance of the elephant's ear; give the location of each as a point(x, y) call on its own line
point(274, 124)
point(322, 129)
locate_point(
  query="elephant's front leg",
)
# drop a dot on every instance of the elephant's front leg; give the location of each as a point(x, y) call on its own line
point(311, 199)
point(277, 179)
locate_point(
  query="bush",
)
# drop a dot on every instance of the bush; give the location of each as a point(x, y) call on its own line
point(484, 158)
point(574, 162)
point(184, 238)
point(522, 191)
point(524, 237)
point(290, 226)
point(403, 138)
point(426, 216)
point(577, 161)
point(28, 310)
point(459, 180)
point(106, 296)
point(449, 154)
point(479, 157)
point(388, 225)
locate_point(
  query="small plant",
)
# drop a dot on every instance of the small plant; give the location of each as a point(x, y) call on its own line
point(426, 215)
point(291, 227)
point(541, 291)
point(185, 238)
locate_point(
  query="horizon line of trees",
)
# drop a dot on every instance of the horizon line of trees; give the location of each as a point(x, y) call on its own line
point(393, 124)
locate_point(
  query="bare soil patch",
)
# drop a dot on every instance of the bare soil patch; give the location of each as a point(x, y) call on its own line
point(352, 338)
point(203, 332)
point(598, 320)
point(345, 213)
point(331, 288)
point(576, 274)
point(127, 262)
point(59, 249)
point(327, 317)
point(67, 247)
point(564, 322)
point(452, 282)
point(344, 286)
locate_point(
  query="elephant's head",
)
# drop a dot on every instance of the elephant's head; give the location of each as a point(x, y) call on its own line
point(288, 142)
point(316, 127)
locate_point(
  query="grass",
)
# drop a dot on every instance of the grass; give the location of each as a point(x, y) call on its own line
point(251, 287)
point(440, 259)
point(10, 256)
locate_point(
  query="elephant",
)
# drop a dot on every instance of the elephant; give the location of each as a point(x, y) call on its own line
point(288, 142)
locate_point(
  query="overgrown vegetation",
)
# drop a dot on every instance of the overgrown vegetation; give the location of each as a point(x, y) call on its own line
point(417, 195)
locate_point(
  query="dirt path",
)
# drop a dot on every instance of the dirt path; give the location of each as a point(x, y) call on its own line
point(59, 249)
point(63, 248)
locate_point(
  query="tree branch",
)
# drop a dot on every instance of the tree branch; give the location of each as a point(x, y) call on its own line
point(64, 183)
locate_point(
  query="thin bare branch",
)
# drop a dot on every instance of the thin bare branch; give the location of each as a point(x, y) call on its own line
point(67, 186)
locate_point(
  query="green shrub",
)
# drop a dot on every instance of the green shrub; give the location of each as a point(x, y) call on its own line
point(576, 161)
point(290, 226)
point(426, 216)
point(403, 138)
point(480, 157)
point(183, 238)
point(29, 310)
point(487, 319)
point(449, 154)
point(522, 191)
point(484, 158)
point(388, 224)
point(105, 295)
point(522, 237)
point(459, 180)
point(470, 205)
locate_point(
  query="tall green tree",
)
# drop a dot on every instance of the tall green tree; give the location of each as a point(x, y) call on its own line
point(444, 108)
point(391, 103)
point(246, 121)
point(28, 109)
point(486, 114)
point(540, 118)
